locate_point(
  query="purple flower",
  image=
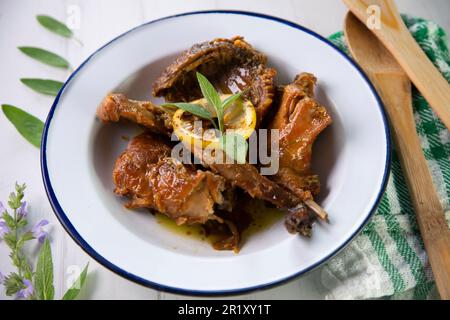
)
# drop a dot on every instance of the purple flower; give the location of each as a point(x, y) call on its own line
point(3, 228)
point(22, 211)
point(26, 292)
point(38, 232)
point(2, 278)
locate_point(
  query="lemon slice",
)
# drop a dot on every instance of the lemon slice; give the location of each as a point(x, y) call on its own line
point(239, 118)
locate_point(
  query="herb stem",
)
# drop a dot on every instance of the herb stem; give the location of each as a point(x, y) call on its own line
point(78, 41)
point(14, 250)
point(221, 124)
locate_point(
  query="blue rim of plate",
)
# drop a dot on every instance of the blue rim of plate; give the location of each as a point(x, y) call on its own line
point(59, 212)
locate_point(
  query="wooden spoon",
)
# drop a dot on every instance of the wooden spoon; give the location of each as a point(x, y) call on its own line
point(397, 39)
point(394, 88)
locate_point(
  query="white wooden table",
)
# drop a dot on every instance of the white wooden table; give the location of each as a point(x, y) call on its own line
point(100, 21)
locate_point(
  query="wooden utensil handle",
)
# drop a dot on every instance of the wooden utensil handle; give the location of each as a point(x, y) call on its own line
point(395, 91)
point(396, 37)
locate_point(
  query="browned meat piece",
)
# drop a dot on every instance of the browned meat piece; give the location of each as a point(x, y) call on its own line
point(299, 220)
point(232, 65)
point(303, 86)
point(307, 120)
point(303, 186)
point(247, 177)
point(116, 106)
point(147, 174)
point(300, 119)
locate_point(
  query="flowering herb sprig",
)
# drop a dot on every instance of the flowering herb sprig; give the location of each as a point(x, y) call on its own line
point(234, 145)
point(24, 283)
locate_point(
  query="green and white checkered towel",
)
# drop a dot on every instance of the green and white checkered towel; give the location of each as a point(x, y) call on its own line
point(388, 259)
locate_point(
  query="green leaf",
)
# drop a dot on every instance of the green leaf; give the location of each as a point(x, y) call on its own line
point(73, 292)
point(45, 86)
point(28, 125)
point(15, 198)
point(45, 56)
point(43, 279)
point(27, 236)
point(195, 109)
point(54, 26)
point(229, 101)
point(21, 223)
point(10, 239)
point(212, 96)
point(20, 188)
point(8, 219)
point(24, 266)
point(235, 146)
point(13, 283)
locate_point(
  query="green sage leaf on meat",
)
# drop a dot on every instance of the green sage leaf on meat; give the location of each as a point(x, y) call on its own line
point(213, 98)
point(231, 99)
point(193, 108)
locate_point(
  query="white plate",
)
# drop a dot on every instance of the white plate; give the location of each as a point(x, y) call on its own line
point(78, 152)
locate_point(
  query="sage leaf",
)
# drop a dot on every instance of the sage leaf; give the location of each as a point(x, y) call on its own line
point(43, 278)
point(28, 125)
point(75, 289)
point(45, 86)
point(45, 56)
point(235, 146)
point(54, 25)
point(229, 101)
point(193, 108)
point(212, 96)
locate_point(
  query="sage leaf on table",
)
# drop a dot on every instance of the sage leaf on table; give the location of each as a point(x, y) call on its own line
point(28, 125)
point(45, 86)
point(43, 278)
point(45, 56)
point(75, 289)
point(54, 25)
point(235, 146)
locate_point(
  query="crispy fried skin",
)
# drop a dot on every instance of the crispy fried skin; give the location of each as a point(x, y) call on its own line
point(116, 106)
point(232, 65)
point(147, 174)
